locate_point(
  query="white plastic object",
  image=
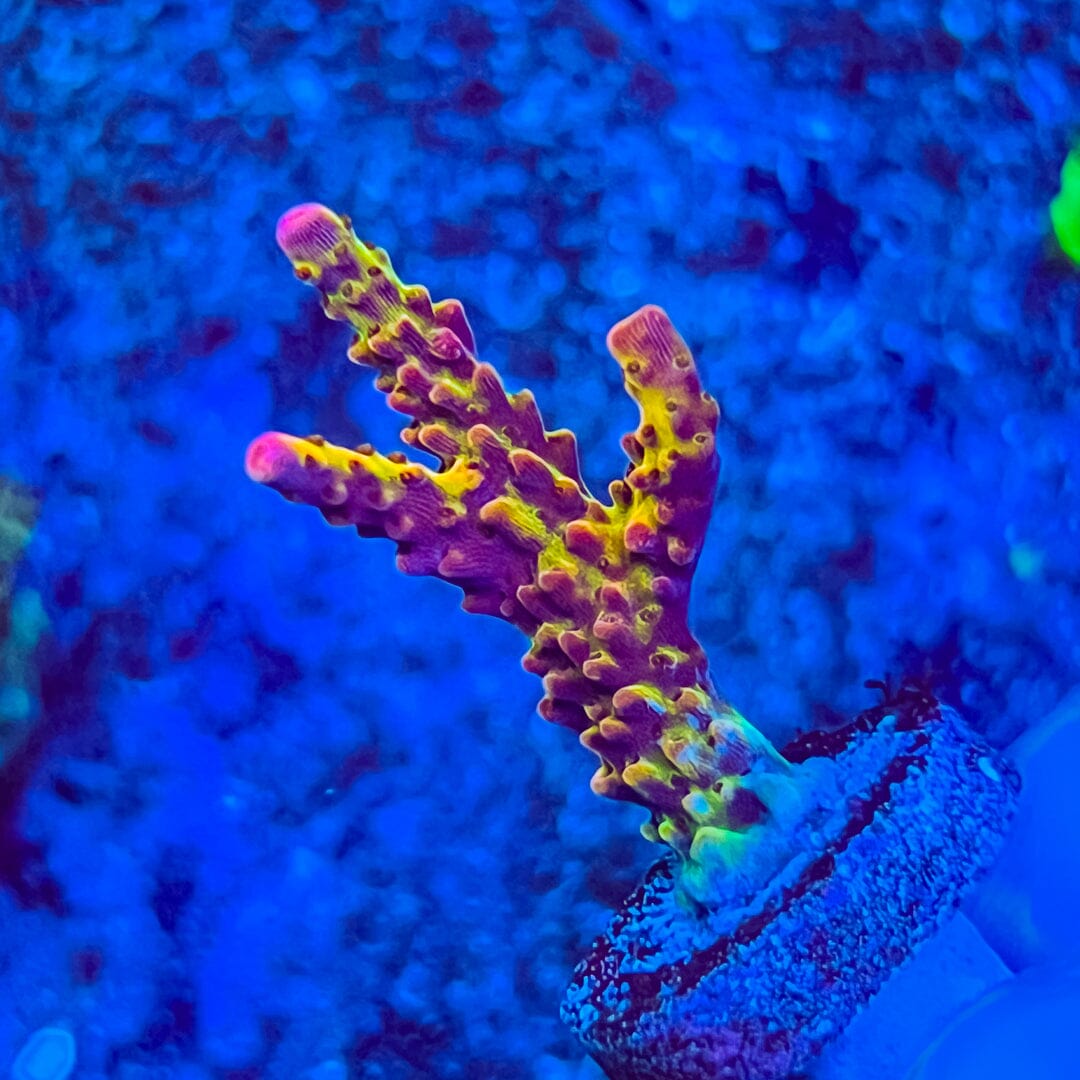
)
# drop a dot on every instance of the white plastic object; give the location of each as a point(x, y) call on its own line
point(49, 1054)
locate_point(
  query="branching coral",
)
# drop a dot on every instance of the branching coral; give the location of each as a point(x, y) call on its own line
point(602, 589)
point(797, 879)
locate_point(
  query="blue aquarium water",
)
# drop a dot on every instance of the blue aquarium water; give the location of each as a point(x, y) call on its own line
point(272, 809)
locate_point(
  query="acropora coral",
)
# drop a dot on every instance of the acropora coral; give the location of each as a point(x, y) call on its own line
point(794, 881)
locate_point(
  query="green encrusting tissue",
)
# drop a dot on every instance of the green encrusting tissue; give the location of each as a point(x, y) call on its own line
point(22, 621)
point(1065, 208)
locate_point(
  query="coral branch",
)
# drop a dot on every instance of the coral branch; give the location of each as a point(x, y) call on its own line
point(601, 588)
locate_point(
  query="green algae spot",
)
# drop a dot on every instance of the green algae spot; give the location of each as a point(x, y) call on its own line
point(1065, 208)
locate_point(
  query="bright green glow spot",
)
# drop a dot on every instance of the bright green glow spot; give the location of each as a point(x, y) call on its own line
point(1026, 561)
point(1065, 208)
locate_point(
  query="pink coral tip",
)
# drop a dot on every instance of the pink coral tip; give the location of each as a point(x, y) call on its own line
point(268, 456)
point(645, 334)
point(309, 231)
